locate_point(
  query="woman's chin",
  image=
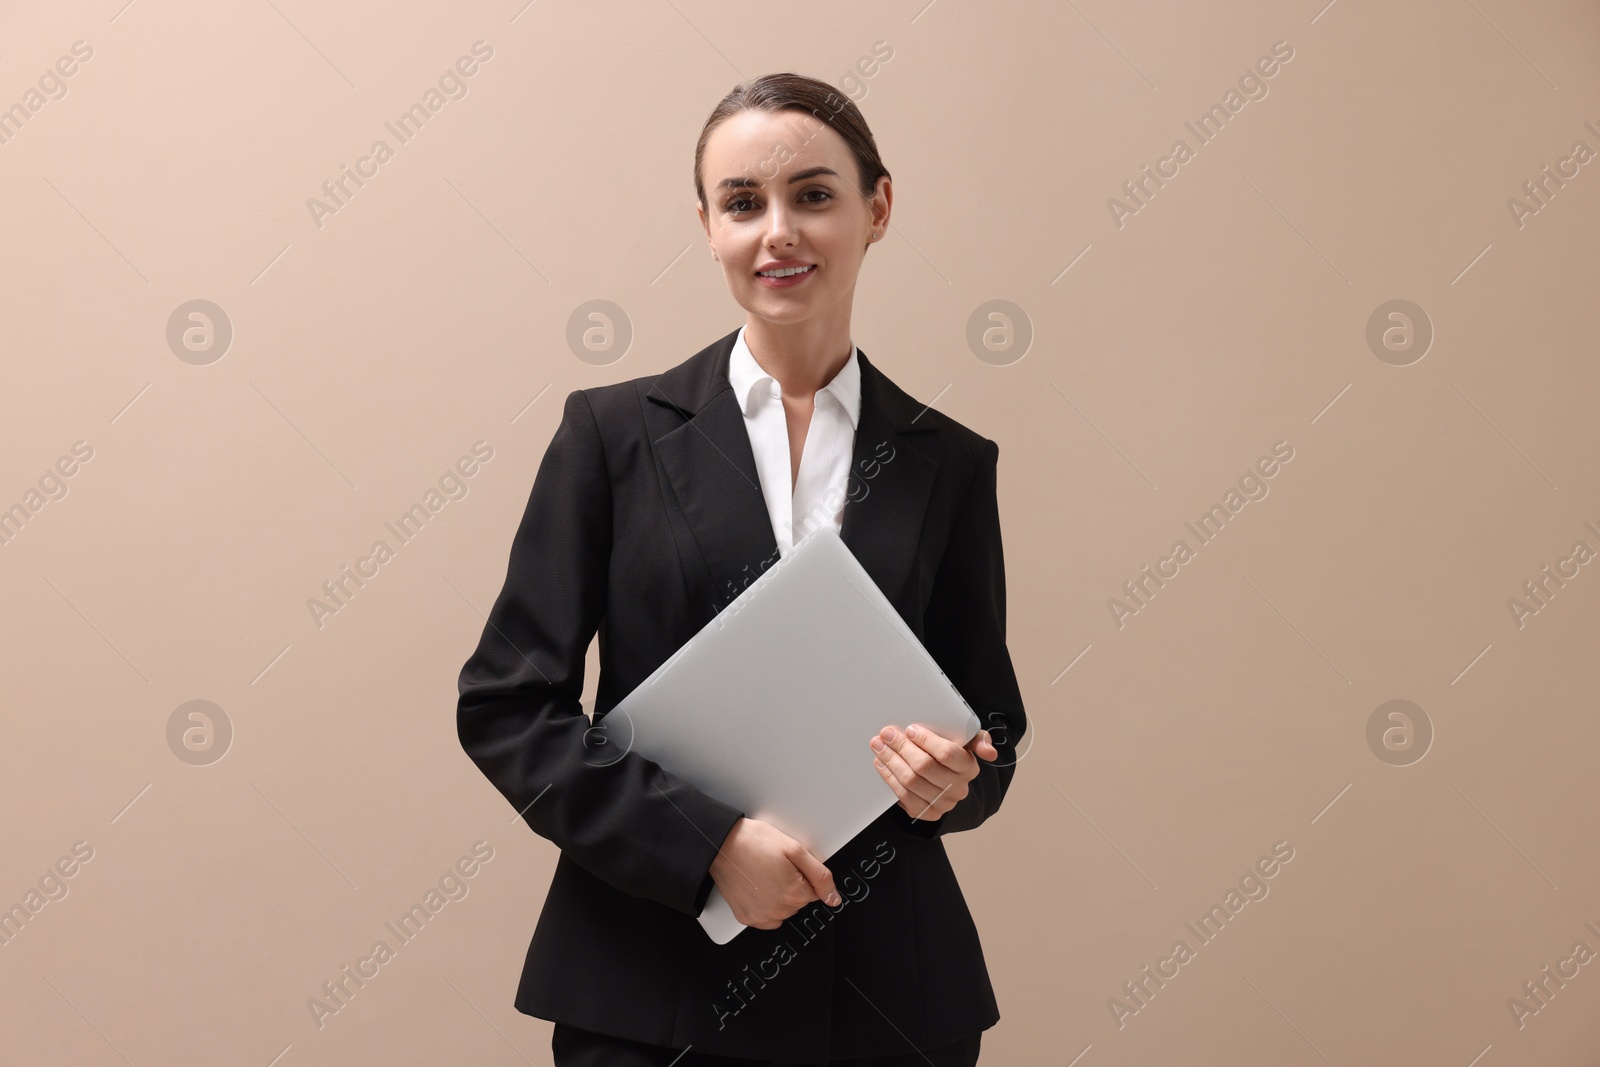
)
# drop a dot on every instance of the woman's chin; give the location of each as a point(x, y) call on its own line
point(780, 312)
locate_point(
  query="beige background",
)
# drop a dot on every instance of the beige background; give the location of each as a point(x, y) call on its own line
point(1168, 354)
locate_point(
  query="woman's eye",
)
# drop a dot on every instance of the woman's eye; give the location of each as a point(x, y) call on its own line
point(744, 203)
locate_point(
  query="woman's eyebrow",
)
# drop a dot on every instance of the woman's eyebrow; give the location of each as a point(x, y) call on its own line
point(755, 183)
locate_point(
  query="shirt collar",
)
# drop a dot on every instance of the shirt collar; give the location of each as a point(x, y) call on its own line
point(747, 376)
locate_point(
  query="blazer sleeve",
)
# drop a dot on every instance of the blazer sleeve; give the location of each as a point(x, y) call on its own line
point(621, 816)
point(964, 629)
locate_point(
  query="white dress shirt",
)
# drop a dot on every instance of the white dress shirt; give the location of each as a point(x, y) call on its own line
point(818, 493)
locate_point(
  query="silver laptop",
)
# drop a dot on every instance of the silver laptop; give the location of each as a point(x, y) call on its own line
point(769, 708)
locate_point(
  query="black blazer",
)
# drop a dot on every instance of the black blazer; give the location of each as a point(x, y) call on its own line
point(646, 518)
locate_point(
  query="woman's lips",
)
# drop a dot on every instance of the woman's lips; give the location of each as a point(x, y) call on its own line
point(789, 282)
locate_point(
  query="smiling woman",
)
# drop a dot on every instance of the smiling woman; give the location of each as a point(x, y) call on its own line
point(778, 171)
point(658, 499)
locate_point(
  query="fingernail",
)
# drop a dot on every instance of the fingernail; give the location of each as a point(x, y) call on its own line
point(911, 732)
point(889, 733)
point(877, 744)
point(833, 900)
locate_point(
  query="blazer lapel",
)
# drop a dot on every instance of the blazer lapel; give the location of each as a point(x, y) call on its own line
point(711, 469)
point(892, 473)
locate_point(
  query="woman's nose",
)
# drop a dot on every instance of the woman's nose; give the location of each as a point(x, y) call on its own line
point(780, 226)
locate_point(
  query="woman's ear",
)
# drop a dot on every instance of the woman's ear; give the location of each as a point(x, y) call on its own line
point(700, 213)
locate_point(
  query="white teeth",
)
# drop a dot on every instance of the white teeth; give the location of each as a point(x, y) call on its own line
point(783, 273)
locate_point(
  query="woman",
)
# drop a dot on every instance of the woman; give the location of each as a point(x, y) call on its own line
point(656, 502)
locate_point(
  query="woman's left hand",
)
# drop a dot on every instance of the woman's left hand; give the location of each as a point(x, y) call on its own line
point(927, 772)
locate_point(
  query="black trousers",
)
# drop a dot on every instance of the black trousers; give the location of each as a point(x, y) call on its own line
point(574, 1047)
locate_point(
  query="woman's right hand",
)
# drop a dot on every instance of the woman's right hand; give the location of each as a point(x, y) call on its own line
point(766, 876)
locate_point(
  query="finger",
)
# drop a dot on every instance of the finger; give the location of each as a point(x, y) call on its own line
point(914, 783)
point(910, 803)
point(815, 872)
point(982, 746)
point(923, 763)
point(914, 805)
point(894, 783)
point(919, 798)
point(946, 751)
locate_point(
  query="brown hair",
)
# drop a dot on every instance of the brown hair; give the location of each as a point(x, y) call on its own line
point(796, 92)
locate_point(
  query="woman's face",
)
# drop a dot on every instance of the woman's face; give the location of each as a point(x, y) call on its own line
point(782, 190)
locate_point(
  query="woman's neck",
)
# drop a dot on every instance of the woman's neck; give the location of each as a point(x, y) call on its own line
point(804, 356)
